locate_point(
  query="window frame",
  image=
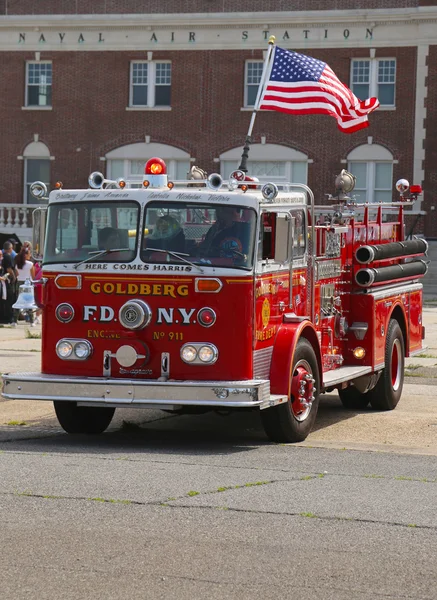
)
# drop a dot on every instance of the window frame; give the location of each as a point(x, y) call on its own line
point(137, 178)
point(28, 183)
point(370, 188)
point(288, 170)
point(27, 85)
point(246, 73)
point(373, 77)
point(151, 84)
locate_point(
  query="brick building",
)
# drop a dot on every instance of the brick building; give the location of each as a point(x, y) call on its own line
point(108, 89)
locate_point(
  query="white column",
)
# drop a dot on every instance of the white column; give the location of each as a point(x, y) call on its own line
point(419, 121)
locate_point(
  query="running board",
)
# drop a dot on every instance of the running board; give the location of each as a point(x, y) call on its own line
point(336, 376)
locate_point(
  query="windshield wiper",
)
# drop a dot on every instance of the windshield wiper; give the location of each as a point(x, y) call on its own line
point(178, 255)
point(98, 253)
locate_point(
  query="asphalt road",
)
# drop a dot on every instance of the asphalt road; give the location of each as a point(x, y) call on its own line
point(204, 507)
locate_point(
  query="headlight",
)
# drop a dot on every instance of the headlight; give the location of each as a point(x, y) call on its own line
point(199, 353)
point(206, 354)
point(69, 349)
point(82, 350)
point(188, 354)
point(64, 349)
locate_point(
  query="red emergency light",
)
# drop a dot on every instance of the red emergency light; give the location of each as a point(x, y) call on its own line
point(415, 189)
point(155, 166)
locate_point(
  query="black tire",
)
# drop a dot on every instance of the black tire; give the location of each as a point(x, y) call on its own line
point(352, 398)
point(83, 419)
point(387, 392)
point(284, 422)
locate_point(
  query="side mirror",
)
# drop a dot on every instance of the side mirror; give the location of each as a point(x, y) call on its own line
point(283, 238)
point(39, 232)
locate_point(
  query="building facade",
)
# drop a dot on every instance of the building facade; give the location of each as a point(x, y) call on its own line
point(106, 90)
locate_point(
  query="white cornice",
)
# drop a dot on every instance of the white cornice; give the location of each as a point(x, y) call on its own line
point(236, 20)
point(220, 31)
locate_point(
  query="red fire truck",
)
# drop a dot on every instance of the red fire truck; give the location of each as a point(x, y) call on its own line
point(213, 294)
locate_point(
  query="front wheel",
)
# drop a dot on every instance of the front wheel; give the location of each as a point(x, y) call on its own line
point(293, 421)
point(83, 419)
point(387, 392)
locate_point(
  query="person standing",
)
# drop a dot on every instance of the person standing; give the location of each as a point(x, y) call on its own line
point(13, 244)
point(2, 288)
point(10, 274)
point(25, 270)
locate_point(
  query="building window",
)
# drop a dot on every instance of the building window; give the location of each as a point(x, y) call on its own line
point(374, 77)
point(133, 170)
point(150, 84)
point(38, 84)
point(271, 170)
point(35, 169)
point(252, 80)
point(374, 181)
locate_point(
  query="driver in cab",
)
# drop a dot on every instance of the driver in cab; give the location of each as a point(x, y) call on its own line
point(223, 238)
point(109, 239)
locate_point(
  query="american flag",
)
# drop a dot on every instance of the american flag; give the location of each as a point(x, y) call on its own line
point(301, 85)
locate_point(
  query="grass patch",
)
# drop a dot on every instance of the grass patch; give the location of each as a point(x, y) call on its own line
point(309, 515)
point(250, 484)
point(424, 355)
point(16, 423)
point(413, 367)
point(193, 493)
point(32, 336)
point(402, 478)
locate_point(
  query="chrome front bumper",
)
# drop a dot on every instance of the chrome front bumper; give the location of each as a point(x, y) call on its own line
point(98, 391)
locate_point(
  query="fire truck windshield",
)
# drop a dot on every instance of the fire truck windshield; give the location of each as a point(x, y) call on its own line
point(84, 232)
point(204, 235)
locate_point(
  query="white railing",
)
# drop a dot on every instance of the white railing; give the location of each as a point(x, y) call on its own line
point(15, 217)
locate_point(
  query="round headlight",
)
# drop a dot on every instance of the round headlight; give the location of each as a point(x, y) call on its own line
point(188, 353)
point(82, 350)
point(64, 349)
point(269, 191)
point(135, 314)
point(64, 313)
point(206, 354)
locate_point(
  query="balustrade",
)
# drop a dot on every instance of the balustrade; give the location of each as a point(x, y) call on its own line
point(15, 217)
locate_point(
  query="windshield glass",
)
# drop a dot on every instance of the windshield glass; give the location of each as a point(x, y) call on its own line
point(76, 231)
point(219, 235)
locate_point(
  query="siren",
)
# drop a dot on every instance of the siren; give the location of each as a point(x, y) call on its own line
point(214, 181)
point(26, 298)
point(155, 173)
point(96, 180)
point(38, 189)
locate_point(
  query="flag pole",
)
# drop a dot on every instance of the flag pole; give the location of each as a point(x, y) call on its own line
point(245, 155)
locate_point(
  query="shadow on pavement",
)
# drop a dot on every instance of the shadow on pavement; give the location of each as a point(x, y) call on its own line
point(132, 431)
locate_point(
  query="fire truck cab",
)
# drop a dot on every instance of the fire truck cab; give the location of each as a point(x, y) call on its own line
point(203, 295)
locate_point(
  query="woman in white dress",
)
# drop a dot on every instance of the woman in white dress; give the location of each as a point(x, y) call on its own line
point(26, 270)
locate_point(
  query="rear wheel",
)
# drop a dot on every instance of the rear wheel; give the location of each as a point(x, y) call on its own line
point(293, 421)
point(387, 392)
point(351, 398)
point(83, 419)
